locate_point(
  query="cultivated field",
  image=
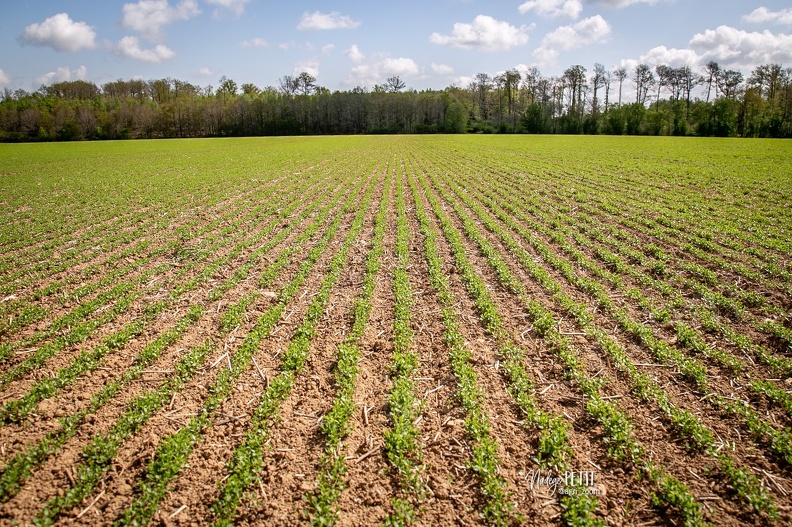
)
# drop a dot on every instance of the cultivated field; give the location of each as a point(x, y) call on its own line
point(396, 330)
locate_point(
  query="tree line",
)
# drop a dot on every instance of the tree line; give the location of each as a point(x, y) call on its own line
point(663, 101)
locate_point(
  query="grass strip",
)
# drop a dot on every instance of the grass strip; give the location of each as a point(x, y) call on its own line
point(173, 451)
point(336, 423)
point(176, 248)
point(402, 449)
point(553, 449)
point(618, 426)
point(21, 466)
point(88, 361)
point(484, 461)
point(99, 454)
point(248, 457)
point(83, 311)
point(780, 441)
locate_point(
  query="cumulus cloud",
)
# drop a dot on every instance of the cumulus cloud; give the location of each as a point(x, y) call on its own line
point(355, 54)
point(204, 72)
point(738, 48)
point(730, 47)
point(327, 49)
point(236, 6)
point(254, 43)
point(621, 3)
point(463, 81)
point(60, 33)
point(130, 47)
point(378, 71)
point(148, 16)
point(442, 69)
point(309, 66)
point(553, 8)
point(5, 80)
point(673, 57)
point(590, 30)
point(319, 20)
point(484, 32)
point(762, 15)
point(63, 74)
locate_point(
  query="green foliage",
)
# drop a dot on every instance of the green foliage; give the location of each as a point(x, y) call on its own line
point(674, 494)
point(402, 448)
point(671, 250)
point(484, 461)
point(336, 423)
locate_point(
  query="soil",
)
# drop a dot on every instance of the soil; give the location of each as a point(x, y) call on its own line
point(292, 460)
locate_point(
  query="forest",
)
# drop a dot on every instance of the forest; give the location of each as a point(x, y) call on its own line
point(644, 101)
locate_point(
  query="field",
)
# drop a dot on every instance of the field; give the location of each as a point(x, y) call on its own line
point(396, 330)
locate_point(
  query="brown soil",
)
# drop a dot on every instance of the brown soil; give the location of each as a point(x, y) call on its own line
point(293, 456)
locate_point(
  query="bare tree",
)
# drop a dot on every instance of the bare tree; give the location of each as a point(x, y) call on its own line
point(483, 85)
point(608, 78)
point(394, 84)
point(288, 84)
point(768, 79)
point(306, 83)
point(597, 82)
point(688, 81)
point(575, 78)
point(711, 72)
point(664, 75)
point(729, 83)
point(531, 83)
point(510, 80)
point(644, 81)
point(621, 76)
point(675, 80)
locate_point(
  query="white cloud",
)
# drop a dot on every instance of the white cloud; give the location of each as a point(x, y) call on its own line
point(286, 45)
point(442, 69)
point(761, 15)
point(742, 49)
point(148, 16)
point(673, 57)
point(376, 72)
point(205, 72)
point(621, 3)
point(326, 50)
point(485, 32)
point(334, 20)
point(309, 66)
point(463, 81)
point(63, 74)
point(355, 54)
point(553, 8)
point(236, 6)
point(590, 30)
point(60, 33)
point(400, 66)
point(130, 47)
point(731, 48)
point(5, 80)
point(254, 43)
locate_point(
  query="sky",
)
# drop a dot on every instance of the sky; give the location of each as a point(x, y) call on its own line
point(429, 44)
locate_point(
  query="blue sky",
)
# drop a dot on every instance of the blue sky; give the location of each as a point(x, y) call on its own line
point(428, 43)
